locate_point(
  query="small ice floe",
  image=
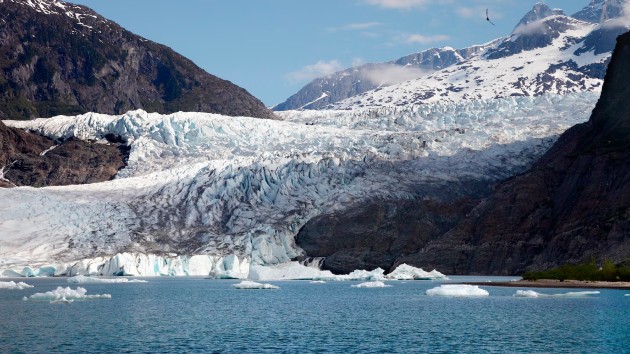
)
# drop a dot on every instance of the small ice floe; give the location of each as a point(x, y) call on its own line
point(457, 290)
point(66, 295)
point(82, 279)
point(532, 293)
point(407, 272)
point(371, 284)
point(627, 295)
point(11, 285)
point(246, 284)
point(318, 282)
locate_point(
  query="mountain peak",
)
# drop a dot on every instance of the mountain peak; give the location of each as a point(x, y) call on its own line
point(538, 12)
point(599, 11)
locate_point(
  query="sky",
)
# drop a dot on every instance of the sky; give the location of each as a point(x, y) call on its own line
point(272, 48)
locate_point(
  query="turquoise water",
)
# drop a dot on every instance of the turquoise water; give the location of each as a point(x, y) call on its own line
point(201, 315)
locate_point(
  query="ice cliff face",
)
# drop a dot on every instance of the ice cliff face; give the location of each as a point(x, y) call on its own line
point(203, 184)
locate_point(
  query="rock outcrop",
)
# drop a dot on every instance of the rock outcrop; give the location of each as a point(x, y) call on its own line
point(29, 159)
point(60, 58)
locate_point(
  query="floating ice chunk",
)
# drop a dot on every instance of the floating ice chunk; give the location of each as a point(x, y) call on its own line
point(246, 284)
point(407, 272)
point(11, 285)
point(67, 293)
point(371, 284)
point(323, 282)
point(62, 301)
point(297, 271)
point(526, 293)
point(82, 279)
point(288, 271)
point(627, 295)
point(376, 274)
point(531, 293)
point(457, 290)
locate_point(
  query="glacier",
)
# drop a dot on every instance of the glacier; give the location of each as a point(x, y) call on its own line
point(205, 194)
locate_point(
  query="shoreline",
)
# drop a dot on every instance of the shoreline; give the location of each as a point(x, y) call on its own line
point(552, 283)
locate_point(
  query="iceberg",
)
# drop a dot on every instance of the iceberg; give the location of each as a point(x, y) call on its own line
point(11, 285)
point(246, 284)
point(407, 272)
point(298, 271)
point(531, 293)
point(371, 284)
point(66, 294)
point(457, 290)
point(82, 279)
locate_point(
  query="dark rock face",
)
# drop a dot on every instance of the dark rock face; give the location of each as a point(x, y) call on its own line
point(572, 206)
point(378, 234)
point(59, 58)
point(70, 162)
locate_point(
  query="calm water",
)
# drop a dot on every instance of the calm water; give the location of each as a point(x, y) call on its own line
point(200, 315)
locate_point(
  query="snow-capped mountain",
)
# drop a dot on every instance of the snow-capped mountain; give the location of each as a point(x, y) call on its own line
point(222, 186)
point(333, 88)
point(548, 52)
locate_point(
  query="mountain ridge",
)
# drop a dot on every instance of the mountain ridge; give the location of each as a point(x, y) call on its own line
point(61, 58)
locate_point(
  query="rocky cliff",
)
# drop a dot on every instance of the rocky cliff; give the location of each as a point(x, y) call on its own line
point(574, 205)
point(29, 159)
point(59, 58)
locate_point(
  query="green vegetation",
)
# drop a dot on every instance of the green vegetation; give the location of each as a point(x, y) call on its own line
point(608, 271)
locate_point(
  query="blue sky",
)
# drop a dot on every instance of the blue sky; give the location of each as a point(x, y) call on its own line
point(274, 47)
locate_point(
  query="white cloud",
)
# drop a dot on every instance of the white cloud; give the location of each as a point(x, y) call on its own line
point(389, 74)
point(531, 28)
point(357, 62)
point(398, 4)
point(623, 20)
point(422, 39)
point(355, 26)
point(361, 26)
point(310, 72)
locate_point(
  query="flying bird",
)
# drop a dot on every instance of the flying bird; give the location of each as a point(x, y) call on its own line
point(488, 18)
